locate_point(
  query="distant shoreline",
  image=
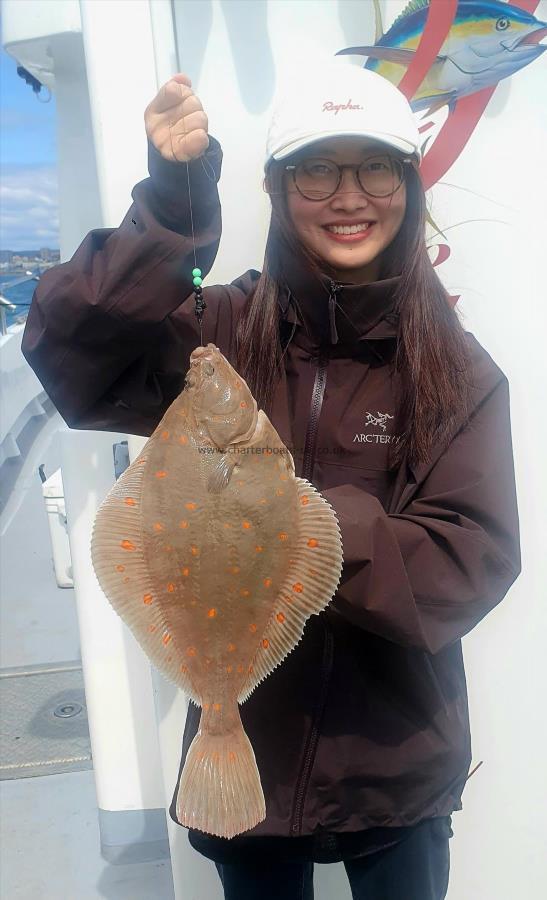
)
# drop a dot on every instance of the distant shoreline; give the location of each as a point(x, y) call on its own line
point(11, 273)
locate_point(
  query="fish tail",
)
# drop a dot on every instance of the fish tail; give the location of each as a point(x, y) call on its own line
point(220, 790)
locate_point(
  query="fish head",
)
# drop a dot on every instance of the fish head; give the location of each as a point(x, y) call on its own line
point(222, 406)
point(505, 35)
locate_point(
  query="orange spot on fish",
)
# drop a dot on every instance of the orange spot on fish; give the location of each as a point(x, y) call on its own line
point(195, 551)
point(171, 587)
point(280, 617)
point(183, 439)
point(313, 572)
point(268, 451)
point(191, 651)
point(158, 526)
point(120, 568)
point(244, 592)
point(184, 668)
point(267, 582)
point(265, 643)
point(233, 570)
point(252, 627)
point(205, 706)
point(147, 599)
point(259, 549)
point(190, 505)
point(160, 474)
point(127, 545)
point(243, 404)
point(240, 668)
point(262, 500)
point(183, 523)
point(231, 647)
point(283, 535)
point(241, 482)
point(217, 707)
point(126, 579)
point(229, 668)
point(251, 670)
point(246, 524)
point(212, 613)
point(168, 548)
point(304, 501)
point(166, 637)
point(141, 461)
point(313, 542)
point(164, 435)
point(129, 501)
point(283, 477)
point(237, 385)
point(185, 571)
point(231, 756)
point(152, 628)
point(298, 587)
point(279, 492)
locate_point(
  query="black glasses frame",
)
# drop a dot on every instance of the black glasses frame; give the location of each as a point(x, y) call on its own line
point(356, 166)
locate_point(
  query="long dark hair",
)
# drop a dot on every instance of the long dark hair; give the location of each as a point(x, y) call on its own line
point(432, 357)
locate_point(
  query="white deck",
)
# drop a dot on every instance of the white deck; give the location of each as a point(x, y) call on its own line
point(49, 838)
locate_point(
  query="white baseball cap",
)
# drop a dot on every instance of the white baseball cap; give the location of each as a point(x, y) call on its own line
point(340, 98)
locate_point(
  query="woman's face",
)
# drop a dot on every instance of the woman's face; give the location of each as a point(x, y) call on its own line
point(357, 262)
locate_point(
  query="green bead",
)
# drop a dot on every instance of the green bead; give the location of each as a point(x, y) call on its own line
point(196, 272)
point(197, 281)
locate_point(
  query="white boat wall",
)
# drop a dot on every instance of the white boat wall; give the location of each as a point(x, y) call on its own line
point(105, 62)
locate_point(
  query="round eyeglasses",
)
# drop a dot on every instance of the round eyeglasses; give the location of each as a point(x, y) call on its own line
point(378, 176)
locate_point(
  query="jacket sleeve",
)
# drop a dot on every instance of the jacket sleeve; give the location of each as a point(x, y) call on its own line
point(424, 577)
point(98, 332)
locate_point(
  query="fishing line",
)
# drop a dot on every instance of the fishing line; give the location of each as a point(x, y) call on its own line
point(200, 304)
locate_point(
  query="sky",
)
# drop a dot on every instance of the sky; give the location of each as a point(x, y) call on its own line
point(29, 201)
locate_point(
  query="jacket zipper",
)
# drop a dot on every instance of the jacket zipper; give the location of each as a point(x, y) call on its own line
point(313, 421)
point(313, 737)
point(326, 665)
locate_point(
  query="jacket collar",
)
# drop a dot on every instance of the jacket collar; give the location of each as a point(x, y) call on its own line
point(334, 316)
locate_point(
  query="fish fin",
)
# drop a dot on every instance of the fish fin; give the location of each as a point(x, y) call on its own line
point(219, 478)
point(310, 584)
point(379, 31)
point(117, 554)
point(220, 791)
point(411, 7)
point(389, 54)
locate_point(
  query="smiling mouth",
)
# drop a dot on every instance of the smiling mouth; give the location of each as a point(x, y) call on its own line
point(348, 229)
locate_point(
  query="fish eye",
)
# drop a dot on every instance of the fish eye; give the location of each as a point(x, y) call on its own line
point(502, 24)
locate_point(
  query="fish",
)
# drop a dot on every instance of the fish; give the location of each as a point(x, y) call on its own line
point(488, 40)
point(215, 554)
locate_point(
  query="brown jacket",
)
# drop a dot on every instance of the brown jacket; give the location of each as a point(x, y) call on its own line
point(363, 731)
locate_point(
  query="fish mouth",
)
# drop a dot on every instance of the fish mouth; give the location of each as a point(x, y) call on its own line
point(203, 353)
point(530, 39)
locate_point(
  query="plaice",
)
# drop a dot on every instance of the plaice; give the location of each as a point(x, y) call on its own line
point(215, 555)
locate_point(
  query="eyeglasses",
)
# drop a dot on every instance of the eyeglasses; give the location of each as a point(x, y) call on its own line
point(319, 179)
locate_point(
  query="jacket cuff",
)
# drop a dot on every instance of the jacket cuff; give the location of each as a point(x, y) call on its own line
point(203, 171)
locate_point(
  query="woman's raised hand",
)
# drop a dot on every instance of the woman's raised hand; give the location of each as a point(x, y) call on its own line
point(175, 121)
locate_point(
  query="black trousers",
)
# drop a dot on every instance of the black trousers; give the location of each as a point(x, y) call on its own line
point(417, 868)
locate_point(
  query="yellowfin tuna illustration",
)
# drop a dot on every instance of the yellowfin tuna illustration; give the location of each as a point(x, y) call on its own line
point(215, 555)
point(487, 41)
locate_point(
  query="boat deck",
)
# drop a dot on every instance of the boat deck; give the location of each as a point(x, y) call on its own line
point(49, 830)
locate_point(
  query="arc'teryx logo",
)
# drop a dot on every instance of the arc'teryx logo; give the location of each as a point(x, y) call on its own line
point(328, 106)
point(370, 438)
point(379, 420)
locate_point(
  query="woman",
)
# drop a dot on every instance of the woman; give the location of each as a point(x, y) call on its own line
point(395, 413)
